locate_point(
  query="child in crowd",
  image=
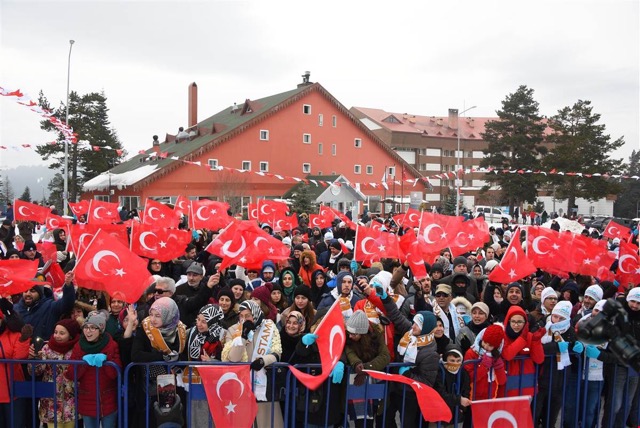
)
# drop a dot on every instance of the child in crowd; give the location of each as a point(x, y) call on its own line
point(447, 385)
point(487, 376)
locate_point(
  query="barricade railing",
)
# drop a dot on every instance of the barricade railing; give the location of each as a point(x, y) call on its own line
point(570, 397)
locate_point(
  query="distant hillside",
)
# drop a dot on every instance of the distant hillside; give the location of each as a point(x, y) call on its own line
point(24, 176)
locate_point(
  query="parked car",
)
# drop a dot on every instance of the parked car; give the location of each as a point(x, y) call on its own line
point(491, 214)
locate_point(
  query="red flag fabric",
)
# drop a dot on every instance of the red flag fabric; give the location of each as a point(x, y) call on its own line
point(412, 254)
point(210, 215)
point(79, 237)
point(79, 208)
point(514, 264)
point(628, 265)
point(163, 244)
point(432, 405)
point(17, 275)
point(409, 219)
point(472, 234)
point(229, 394)
point(268, 207)
point(27, 211)
point(54, 222)
point(615, 230)
point(372, 245)
point(350, 224)
point(317, 220)
point(284, 222)
point(103, 212)
point(252, 211)
point(548, 251)
point(54, 274)
point(181, 206)
point(159, 215)
point(330, 341)
point(107, 265)
point(511, 412)
point(47, 250)
point(437, 231)
point(589, 255)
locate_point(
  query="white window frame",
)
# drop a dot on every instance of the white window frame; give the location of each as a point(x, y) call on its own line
point(334, 150)
point(306, 168)
point(306, 138)
point(213, 163)
point(320, 119)
point(334, 121)
point(391, 171)
point(306, 109)
point(320, 148)
point(357, 169)
point(369, 169)
point(264, 166)
point(357, 142)
point(243, 164)
point(264, 135)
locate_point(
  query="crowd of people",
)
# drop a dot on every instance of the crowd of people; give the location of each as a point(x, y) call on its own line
point(195, 311)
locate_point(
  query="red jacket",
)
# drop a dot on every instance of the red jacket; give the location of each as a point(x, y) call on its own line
point(306, 273)
point(530, 352)
point(86, 380)
point(480, 378)
point(11, 349)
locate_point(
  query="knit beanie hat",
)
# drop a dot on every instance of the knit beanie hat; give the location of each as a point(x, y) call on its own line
point(514, 284)
point(426, 320)
point(563, 309)
point(594, 291)
point(344, 262)
point(634, 295)
point(548, 292)
point(358, 323)
point(436, 267)
point(98, 319)
point(302, 290)
point(263, 293)
point(71, 326)
point(454, 349)
point(600, 305)
point(276, 287)
point(493, 335)
point(490, 265)
point(226, 291)
point(328, 236)
point(335, 244)
point(460, 260)
point(482, 306)
point(237, 281)
point(29, 245)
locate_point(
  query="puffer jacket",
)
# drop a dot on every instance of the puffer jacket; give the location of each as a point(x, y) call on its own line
point(11, 349)
point(306, 272)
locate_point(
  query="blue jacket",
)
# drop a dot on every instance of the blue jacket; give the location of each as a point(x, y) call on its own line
point(46, 312)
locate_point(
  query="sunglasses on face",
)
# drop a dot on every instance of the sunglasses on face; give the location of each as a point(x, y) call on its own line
point(158, 291)
point(442, 295)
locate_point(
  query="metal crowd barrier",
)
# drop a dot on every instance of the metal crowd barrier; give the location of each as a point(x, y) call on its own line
point(566, 396)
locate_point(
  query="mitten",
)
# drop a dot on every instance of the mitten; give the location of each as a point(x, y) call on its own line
point(338, 372)
point(171, 357)
point(95, 360)
point(380, 291)
point(592, 351)
point(309, 339)
point(563, 346)
point(403, 370)
point(538, 334)
point(358, 367)
point(26, 332)
point(353, 266)
point(61, 256)
point(578, 347)
point(247, 327)
point(498, 364)
point(487, 361)
point(360, 379)
point(257, 364)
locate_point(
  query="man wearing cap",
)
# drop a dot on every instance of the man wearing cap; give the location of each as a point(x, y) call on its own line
point(195, 279)
point(592, 295)
point(37, 307)
point(460, 266)
point(329, 259)
point(447, 313)
point(548, 299)
point(420, 297)
point(30, 252)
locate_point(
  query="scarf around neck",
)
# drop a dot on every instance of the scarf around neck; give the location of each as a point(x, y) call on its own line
point(94, 347)
point(63, 348)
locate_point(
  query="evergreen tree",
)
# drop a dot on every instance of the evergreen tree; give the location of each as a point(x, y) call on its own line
point(627, 203)
point(56, 186)
point(88, 116)
point(6, 192)
point(515, 143)
point(449, 203)
point(302, 200)
point(580, 145)
point(26, 195)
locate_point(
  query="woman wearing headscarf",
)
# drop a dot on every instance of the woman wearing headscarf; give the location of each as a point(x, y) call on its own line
point(293, 327)
point(60, 241)
point(95, 347)
point(319, 286)
point(262, 296)
point(301, 303)
point(289, 281)
point(255, 339)
point(161, 337)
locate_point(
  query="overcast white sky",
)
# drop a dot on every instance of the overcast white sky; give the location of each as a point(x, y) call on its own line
point(419, 57)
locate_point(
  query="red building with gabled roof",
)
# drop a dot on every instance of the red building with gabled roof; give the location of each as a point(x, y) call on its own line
point(259, 149)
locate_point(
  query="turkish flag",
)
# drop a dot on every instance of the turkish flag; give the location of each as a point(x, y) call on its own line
point(269, 211)
point(54, 274)
point(103, 212)
point(79, 237)
point(547, 251)
point(409, 219)
point(57, 222)
point(372, 245)
point(412, 254)
point(350, 224)
point(181, 207)
point(514, 264)
point(589, 255)
point(79, 208)
point(159, 215)
point(162, 243)
point(472, 234)
point(628, 265)
point(17, 275)
point(437, 231)
point(432, 405)
point(107, 265)
point(615, 230)
point(48, 251)
point(29, 212)
point(252, 211)
point(317, 220)
point(284, 222)
point(210, 215)
point(330, 341)
point(229, 394)
point(511, 412)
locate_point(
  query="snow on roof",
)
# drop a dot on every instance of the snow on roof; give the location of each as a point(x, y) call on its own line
point(106, 179)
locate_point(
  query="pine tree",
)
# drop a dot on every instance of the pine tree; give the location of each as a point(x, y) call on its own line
point(302, 200)
point(6, 192)
point(581, 146)
point(627, 203)
point(515, 143)
point(88, 116)
point(449, 205)
point(26, 195)
point(55, 187)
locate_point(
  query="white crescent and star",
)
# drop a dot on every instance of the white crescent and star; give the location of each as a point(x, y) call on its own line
point(199, 213)
point(233, 254)
point(460, 242)
point(413, 217)
point(20, 210)
point(427, 231)
point(363, 245)
point(150, 211)
point(622, 260)
point(143, 235)
point(262, 211)
point(100, 255)
point(231, 408)
point(336, 330)
point(96, 213)
point(501, 414)
point(536, 245)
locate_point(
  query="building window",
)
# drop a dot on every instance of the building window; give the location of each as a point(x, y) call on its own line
point(319, 148)
point(306, 168)
point(369, 169)
point(264, 135)
point(213, 163)
point(306, 109)
point(334, 150)
point(334, 120)
point(470, 154)
point(102, 198)
point(264, 166)
point(392, 171)
point(446, 168)
point(306, 138)
point(320, 120)
point(357, 169)
point(246, 165)
point(129, 202)
point(357, 142)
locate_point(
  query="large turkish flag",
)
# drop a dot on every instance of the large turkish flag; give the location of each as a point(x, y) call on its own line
point(229, 394)
point(512, 412)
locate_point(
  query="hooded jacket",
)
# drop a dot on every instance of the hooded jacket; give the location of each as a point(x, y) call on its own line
point(306, 272)
point(44, 313)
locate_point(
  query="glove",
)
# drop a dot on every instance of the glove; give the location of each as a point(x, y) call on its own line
point(257, 365)
point(360, 379)
point(309, 339)
point(338, 372)
point(563, 346)
point(403, 370)
point(498, 364)
point(95, 360)
point(359, 367)
point(247, 327)
point(194, 234)
point(487, 361)
point(61, 256)
point(592, 351)
point(26, 332)
point(353, 266)
point(171, 357)
point(578, 347)
point(169, 416)
point(380, 291)
point(538, 334)
point(6, 306)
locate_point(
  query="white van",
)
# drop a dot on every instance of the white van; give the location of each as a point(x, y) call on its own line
point(491, 214)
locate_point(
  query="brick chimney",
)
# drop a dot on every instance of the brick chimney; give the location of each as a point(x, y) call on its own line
point(156, 145)
point(453, 118)
point(193, 105)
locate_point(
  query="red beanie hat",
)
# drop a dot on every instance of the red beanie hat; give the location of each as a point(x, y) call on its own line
point(493, 335)
point(72, 326)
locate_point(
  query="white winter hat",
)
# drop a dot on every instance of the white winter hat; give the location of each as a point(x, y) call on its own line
point(594, 291)
point(563, 309)
point(548, 292)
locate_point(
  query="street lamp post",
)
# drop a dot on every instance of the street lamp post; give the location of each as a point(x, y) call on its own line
point(66, 140)
point(459, 165)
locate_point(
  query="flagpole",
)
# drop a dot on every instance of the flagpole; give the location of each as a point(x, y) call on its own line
point(394, 188)
point(402, 190)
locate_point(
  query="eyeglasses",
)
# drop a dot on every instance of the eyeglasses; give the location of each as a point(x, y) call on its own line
point(90, 327)
point(158, 291)
point(513, 322)
point(442, 295)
